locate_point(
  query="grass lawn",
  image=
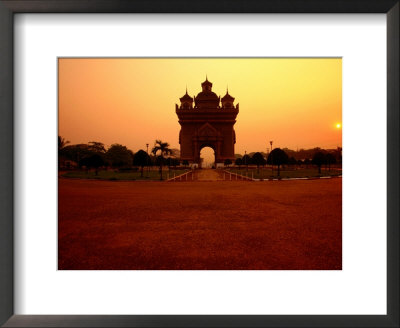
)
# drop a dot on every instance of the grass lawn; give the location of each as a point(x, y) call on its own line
point(209, 225)
point(115, 175)
point(300, 173)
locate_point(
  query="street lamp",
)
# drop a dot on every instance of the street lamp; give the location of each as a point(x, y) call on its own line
point(272, 165)
point(245, 159)
point(147, 159)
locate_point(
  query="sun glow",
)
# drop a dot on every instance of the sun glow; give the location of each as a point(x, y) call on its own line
point(297, 102)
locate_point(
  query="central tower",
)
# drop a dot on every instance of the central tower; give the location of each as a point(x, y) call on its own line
point(207, 121)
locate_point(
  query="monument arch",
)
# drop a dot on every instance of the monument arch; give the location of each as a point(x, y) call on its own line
point(207, 120)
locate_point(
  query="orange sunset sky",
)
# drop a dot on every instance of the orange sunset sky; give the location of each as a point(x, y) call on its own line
point(297, 103)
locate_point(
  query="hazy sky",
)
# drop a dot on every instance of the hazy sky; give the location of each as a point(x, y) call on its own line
point(297, 103)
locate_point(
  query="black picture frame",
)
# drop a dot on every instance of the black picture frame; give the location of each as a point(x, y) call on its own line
point(7, 10)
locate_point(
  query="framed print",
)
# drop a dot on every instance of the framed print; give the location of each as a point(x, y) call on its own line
point(279, 253)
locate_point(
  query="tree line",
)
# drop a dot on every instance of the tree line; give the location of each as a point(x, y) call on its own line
point(279, 157)
point(94, 155)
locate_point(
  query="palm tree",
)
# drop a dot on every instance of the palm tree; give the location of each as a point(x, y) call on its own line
point(62, 142)
point(164, 150)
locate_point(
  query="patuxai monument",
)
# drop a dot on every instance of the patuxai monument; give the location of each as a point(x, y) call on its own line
point(207, 121)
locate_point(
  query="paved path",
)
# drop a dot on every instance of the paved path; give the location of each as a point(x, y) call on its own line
point(208, 175)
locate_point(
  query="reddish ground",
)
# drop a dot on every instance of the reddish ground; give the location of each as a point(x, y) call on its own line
point(284, 225)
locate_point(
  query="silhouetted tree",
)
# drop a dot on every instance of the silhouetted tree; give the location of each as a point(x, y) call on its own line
point(76, 152)
point(141, 159)
point(160, 161)
point(163, 148)
point(307, 162)
point(227, 162)
point(171, 161)
point(119, 156)
point(319, 158)
point(93, 161)
point(153, 159)
point(292, 161)
point(246, 160)
point(258, 159)
point(168, 161)
point(97, 147)
point(277, 157)
point(238, 162)
point(175, 162)
point(62, 143)
point(330, 159)
point(338, 153)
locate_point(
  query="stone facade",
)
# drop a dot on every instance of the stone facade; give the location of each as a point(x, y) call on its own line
point(207, 121)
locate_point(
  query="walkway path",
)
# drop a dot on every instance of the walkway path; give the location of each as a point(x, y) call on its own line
point(208, 175)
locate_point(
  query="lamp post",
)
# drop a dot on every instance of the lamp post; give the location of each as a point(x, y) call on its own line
point(272, 163)
point(245, 159)
point(147, 159)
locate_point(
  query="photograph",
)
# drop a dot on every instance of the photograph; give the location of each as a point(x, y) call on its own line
point(199, 185)
point(193, 163)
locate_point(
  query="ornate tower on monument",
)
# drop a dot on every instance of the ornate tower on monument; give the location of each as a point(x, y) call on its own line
point(207, 121)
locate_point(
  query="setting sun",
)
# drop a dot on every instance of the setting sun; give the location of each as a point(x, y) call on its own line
point(338, 126)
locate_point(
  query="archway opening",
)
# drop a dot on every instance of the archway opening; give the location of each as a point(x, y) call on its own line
point(207, 158)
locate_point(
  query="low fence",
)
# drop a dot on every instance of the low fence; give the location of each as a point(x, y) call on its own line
point(187, 176)
point(234, 176)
